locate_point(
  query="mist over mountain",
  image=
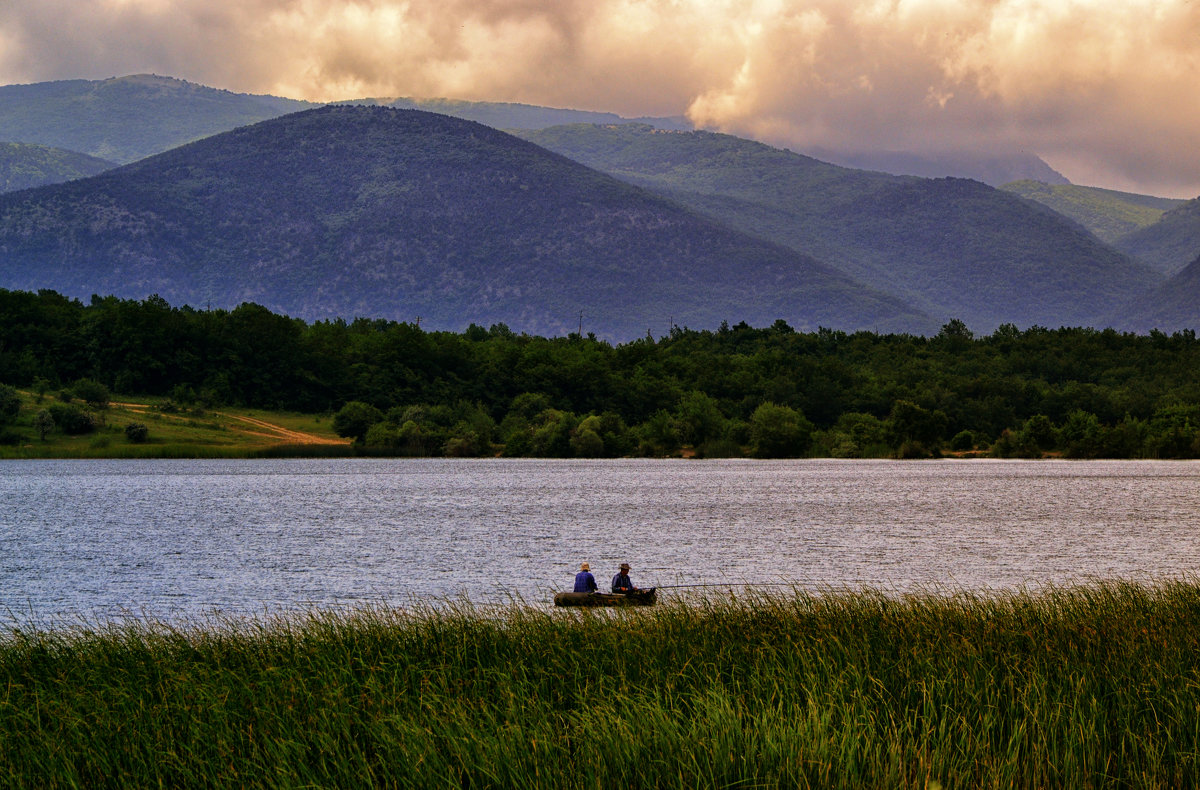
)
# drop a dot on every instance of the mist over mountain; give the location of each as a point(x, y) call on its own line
point(367, 211)
point(994, 169)
point(23, 166)
point(508, 115)
point(955, 248)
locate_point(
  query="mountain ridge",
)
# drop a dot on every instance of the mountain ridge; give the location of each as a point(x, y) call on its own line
point(1171, 243)
point(955, 248)
point(27, 165)
point(1108, 213)
point(365, 211)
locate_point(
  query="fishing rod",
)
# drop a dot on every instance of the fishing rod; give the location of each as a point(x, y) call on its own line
point(729, 584)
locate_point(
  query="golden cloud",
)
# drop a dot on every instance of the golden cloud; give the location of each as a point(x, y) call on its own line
point(1104, 89)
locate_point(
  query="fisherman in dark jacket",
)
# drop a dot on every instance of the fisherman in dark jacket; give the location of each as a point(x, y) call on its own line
point(585, 582)
point(621, 582)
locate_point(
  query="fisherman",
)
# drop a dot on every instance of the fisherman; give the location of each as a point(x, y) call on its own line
point(621, 582)
point(585, 582)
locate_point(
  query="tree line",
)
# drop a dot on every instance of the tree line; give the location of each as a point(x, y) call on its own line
point(737, 390)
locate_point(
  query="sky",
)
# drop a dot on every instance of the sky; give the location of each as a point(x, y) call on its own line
point(1106, 91)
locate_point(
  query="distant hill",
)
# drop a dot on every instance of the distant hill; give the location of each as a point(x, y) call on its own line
point(1173, 306)
point(124, 119)
point(367, 211)
point(1107, 213)
point(23, 166)
point(989, 167)
point(952, 247)
point(505, 115)
point(127, 118)
point(1169, 244)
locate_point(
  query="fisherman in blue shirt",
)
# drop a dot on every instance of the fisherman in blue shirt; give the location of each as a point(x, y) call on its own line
point(621, 582)
point(585, 582)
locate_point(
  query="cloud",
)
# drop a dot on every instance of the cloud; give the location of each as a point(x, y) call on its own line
point(1103, 90)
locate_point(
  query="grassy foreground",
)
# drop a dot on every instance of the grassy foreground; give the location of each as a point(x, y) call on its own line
point(1096, 686)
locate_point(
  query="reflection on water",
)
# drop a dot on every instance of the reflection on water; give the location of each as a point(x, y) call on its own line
point(187, 538)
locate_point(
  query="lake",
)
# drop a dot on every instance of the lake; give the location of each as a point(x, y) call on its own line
point(89, 540)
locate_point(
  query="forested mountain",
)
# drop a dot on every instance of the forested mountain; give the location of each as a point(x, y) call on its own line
point(23, 166)
point(1169, 244)
point(989, 167)
point(127, 118)
point(954, 248)
point(367, 211)
point(1107, 213)
point(1174, 304)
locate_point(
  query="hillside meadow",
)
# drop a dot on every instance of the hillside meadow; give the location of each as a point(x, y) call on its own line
point(172, 431)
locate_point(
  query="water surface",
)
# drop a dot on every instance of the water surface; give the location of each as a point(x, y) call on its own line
point(185, 539)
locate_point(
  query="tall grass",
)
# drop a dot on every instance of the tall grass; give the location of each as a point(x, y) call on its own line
point(1095, 686)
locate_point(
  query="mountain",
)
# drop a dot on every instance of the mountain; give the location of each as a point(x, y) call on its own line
point(952, 247)
point(127, 118)
point(506, 115)
point(989, 167)
point(1173, 306)
point(124, 119)
point(368, 211)
point(1107, 213)
point(23, 166)
point(1170, 244)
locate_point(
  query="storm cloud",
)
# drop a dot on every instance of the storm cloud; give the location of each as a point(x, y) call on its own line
point(1104, 91)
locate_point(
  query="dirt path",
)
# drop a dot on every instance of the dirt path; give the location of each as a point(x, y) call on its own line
point(257, 427)
point(279, 432)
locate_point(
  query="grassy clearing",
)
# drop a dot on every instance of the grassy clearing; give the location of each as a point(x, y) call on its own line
point(178, 433)
point(1095, 686)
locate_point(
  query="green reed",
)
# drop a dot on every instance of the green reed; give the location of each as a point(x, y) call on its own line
point(1095, 686)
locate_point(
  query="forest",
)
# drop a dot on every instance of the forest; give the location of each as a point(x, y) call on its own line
point(398, 389)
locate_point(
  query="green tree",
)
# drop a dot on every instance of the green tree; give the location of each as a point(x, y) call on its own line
point(355, 419)
point(857, 435)
point(91, 392)
point(10, 404)
point(658, 435)
point(910, 423)
point(698, 418)
point(72, 420)
point(1082, 435)
point(779, 432)
point(552, 438)
point(43, 423)
point(585, 439)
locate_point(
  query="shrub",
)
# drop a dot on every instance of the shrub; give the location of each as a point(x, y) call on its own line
point(71, 419)
point(963, 440)
point(92, 392)
point(136, 432)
